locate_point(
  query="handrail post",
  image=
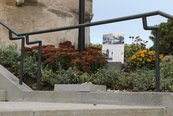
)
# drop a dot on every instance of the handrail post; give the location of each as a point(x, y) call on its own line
point(38, 75)
point(21, 56)
point(39, 66)
point(157, 62)
point(157, 58)
point(81, 33)
point(21, 62)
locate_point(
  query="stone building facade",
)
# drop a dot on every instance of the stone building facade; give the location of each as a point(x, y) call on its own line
point(35, 15)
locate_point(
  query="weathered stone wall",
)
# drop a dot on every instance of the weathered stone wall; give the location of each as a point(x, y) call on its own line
point(36, 15)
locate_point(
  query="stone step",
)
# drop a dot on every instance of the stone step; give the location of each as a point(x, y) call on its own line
point(85, 87)
point(10, 83)
point(69, 109)
point(3, 95)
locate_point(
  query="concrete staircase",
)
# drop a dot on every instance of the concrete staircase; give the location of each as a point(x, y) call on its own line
point(20, 100)
point(51, 108)
point(10, 84)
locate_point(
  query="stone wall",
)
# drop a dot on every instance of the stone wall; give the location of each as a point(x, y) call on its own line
point(36, 15)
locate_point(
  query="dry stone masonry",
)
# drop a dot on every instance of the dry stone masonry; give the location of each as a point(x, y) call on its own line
point(34, 15)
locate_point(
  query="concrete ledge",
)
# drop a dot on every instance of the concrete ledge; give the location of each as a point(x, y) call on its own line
point(168, 103)
point(16, 113)
point(61, 109)
point(102, 112)
point(85, 87)
point(10, 83)
point(3, 95)
point(140, 99)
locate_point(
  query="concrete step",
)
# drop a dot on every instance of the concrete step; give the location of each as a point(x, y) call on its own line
point(10, 83)
point(3, 95)
point(69, 109)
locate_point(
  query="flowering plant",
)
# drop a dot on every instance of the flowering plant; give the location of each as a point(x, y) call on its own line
point(66, 56)
point(144, 58)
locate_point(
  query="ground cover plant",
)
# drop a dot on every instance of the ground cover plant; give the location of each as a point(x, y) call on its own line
point(65, 56)
point(65, 65)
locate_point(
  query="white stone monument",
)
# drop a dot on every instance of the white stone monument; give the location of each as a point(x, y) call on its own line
point(113, 47)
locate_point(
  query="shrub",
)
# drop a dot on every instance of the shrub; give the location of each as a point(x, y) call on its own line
point(62, 76)
point(47, 73)
point(167, 73)
point(99, 46)
point(9, 58)
point(139, 80)
point(105, 76)
point(30, 67)
point(85, 77)
point(66, 56)
point(137, 44)
point(143, 58)
point(130, 49)
point(142, 79)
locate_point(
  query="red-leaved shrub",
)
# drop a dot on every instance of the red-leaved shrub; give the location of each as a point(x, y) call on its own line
point(89, 60)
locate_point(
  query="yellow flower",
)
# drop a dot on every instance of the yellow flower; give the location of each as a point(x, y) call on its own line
point(154, 58)
point(140, 59)
point(151, 52)
point(143, 51)
point(149, 60)
point(161, 56)
point(133, 57)
point(142, 55)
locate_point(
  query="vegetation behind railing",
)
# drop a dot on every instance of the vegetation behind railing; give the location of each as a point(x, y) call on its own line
point(24, 37)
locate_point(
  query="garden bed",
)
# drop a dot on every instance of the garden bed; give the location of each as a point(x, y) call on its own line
point(65, 65)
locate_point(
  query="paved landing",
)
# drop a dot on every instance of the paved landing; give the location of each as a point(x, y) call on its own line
point(68, 109)
point(63, 106)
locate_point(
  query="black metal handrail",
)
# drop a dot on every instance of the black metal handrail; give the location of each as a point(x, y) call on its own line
point(8, 28)
point(25, 40)
point(25, 37)
point(114, 20)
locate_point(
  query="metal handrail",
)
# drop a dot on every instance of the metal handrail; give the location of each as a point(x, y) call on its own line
point(143, 16)
point(8, 28)
point(131, 17)
point(25, 40)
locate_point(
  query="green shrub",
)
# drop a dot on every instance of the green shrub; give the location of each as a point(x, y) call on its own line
point(145, 80)
point(62, 76)
point(139, 80)
point(137, 44)
point(130, 49)
point(99, 46)
point(9, 58)
point(85, 77)
point(70, 76)
point(143, 58)
point(125, 81)
point(167, 73)
point(8, 55)
point(30, 67)
point(47, 74)
point(105, 76)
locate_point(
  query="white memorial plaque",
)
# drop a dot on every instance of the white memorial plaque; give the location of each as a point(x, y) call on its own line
point(113, 47)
